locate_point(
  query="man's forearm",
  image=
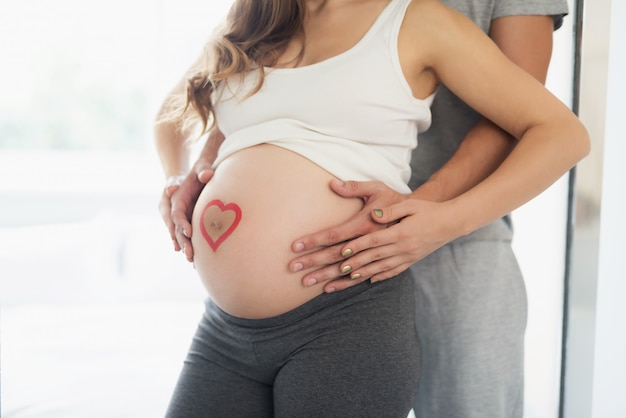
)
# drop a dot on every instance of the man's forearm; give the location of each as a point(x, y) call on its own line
point(478, 155)
point(208, 154)
point(527, 41)
point(169, 138)
point(172, 150)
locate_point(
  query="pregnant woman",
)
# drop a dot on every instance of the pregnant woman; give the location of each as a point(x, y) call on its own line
point(306, 92)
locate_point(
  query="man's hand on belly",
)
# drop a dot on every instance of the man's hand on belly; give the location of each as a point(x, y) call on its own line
point(177, 204)
point(336, 254)
point(386, 237)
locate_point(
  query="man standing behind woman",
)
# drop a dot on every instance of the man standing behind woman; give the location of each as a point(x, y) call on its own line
point(470, 294)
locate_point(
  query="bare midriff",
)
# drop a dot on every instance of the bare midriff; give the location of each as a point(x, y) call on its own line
point(259, 201)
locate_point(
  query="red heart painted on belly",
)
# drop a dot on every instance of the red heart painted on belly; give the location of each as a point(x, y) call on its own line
point(218, 221)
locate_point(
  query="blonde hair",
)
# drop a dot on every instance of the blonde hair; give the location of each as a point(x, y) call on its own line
point(252, 36)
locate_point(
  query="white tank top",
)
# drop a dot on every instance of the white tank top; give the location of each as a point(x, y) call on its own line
point(353, 114)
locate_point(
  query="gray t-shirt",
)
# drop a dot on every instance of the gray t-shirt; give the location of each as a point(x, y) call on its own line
point(452, 118)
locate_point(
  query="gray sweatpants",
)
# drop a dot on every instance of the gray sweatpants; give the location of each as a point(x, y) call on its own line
point(471, 317)
point(353, 353)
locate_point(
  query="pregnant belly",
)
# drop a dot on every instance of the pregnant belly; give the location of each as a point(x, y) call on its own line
point(258, 202)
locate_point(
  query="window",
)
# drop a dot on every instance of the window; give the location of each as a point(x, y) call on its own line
point(88, 279)
point(81, 83)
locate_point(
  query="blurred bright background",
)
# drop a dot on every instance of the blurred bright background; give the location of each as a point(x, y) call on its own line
point(80, 181)
point(97, 310)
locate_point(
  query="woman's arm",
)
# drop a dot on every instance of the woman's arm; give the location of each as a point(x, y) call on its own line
point(551, 138)
point(527, 40)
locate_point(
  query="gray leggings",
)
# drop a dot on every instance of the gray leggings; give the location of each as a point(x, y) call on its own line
point(352, 353)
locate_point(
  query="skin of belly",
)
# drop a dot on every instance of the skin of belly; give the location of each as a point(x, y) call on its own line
point(258, 202)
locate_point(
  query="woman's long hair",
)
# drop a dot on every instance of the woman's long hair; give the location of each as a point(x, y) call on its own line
point(252, 36)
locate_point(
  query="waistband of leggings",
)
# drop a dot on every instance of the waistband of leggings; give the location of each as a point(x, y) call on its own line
point(315, 305)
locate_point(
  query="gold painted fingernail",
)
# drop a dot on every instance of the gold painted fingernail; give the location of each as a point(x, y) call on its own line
point(347, 252)
point(373, 280)
point(378, 213)
point(346, 269)
point(355, 276)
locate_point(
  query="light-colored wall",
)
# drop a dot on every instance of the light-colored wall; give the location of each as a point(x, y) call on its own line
point(539, 243)
point(596, 364)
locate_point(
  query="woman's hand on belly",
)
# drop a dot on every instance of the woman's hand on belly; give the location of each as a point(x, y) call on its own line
point(389, 234)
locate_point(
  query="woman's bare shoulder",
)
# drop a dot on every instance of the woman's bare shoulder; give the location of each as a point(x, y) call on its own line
point(431, 14)
point(445, 28)
point(428, 28)
point(426, 8)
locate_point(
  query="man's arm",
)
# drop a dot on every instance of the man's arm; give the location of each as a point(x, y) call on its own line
point(183, 186)
point(169, 141)
point(182, 200)
point(527, 41)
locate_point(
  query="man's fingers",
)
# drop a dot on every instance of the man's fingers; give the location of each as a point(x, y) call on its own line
point(356, 226)
point(205, 175)
point(357, 268)
point(325, 256)
point(181, 222)
point(183, 203)
point(369, 247)
point(185, 245)
point(324, 274)
point(169, 190)
point(345, 252)
point(342, 284)
point(385, 269)
point(359, 189)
